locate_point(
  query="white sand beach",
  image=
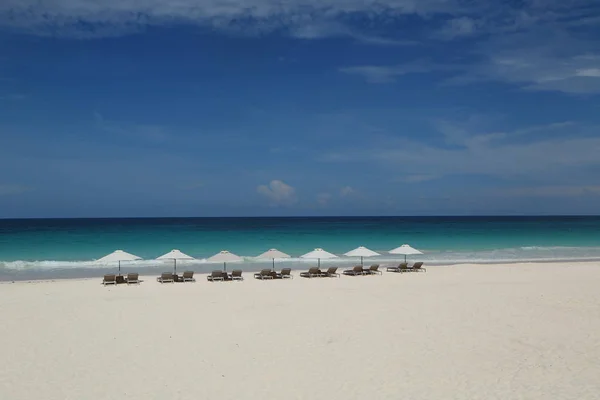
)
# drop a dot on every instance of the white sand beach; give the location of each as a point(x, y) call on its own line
point(520, 331)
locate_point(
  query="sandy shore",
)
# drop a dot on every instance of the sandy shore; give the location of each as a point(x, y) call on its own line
point(520, 331)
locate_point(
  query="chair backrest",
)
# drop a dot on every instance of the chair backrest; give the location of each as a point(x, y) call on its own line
point(403, 265)
point(110, 278)
point(358, 268)
point(133, 276)
point(188, 274)
point(417, 265)
point(374, 267)
point(286, 271)
point(236, 272)
point(313, 270)
point(332, 270)
point(166, 275)
point(216, 274)
point(265, 272)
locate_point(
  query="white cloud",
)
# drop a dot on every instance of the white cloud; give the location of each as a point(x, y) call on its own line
point(550, 153)
point(458, 27)
point(347, 191)
point(322, 29)
point(278, 193)
point(386, 74)
point(89, 18)
point(543, 62)
point(8, 190)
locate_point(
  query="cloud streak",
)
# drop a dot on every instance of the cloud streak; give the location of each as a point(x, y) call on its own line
point(387, 74)
point(87, 18)
point(557, 153)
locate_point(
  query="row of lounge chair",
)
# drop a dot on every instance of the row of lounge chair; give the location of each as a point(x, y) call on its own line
point(360, 270)
point(112, 279)
point(216, 276)
point(403, 267)
point(286, 273)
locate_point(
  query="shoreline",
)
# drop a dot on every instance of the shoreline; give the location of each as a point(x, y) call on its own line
point(97, 274)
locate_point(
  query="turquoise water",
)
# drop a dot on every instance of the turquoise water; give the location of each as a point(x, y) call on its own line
point(54, 246)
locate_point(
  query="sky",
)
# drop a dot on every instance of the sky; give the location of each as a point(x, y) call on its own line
point(299, 107)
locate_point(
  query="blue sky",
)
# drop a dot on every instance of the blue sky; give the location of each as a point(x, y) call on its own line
point(303, 107)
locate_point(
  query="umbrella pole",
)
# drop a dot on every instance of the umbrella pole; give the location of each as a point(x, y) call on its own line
point(361, 261)
point(119, 267)
point(273, 265)
point(175, 266)
point(319, 261)
point(224, 266)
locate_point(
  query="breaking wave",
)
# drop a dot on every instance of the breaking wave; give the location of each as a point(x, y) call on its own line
point(432, 257)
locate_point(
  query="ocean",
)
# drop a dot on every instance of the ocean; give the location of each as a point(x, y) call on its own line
point(62, 248)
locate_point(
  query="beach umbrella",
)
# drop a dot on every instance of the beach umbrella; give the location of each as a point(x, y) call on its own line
point(273, 254)
point(224, 257)
point(118, 256)
point(361, 252)
point(175, 255)
point(405, 250)
point(318, 254)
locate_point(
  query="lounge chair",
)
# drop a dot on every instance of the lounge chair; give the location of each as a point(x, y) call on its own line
point(109, 279)
point(264, 274)
point(216, 276)
point(417, 267)
point(357, 270)
point(236, 275)
point(132, 278)
point(331, 272)
point(400, 268)
point(373, 270)
point(166, 277)
point(188, 276)
point(285, 273)
point(312, 273)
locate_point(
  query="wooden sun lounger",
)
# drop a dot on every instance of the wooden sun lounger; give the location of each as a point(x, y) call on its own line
point(357, 270)
point(400, 268)
point(417, 267)
point(285, 274)
point(373, 270)
point(264, 274)
point(166, 277)
point(312, 273)
point(188, 276)
point(109, 279)
point(132, 278)
point(216, 275)
point(236, 275)
point(331, 272)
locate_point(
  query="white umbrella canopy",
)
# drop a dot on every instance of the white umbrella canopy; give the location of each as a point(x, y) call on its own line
point(405, 250)
point(224, 257)
point(175, 255)
point(318, 254)
point(361, 252)
point(117, 256)
point(273, 254)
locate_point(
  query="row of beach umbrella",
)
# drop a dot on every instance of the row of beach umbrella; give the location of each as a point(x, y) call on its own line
point(272, 254)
